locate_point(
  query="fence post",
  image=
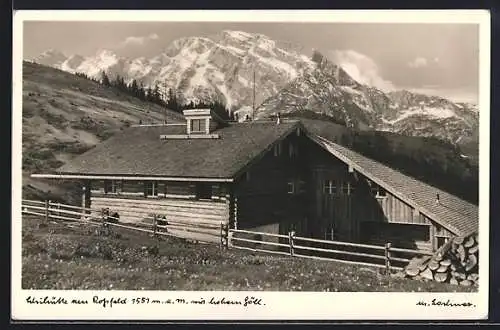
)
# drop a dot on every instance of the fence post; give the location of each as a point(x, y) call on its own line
point(104, 217)
point(47, 204)
point(290, 241)
point(154, 225)
point(387, 257)
point(221, 235)
point(226, 235)
point(229, 237)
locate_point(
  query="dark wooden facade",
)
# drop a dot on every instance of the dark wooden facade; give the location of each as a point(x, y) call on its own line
point(313, 193)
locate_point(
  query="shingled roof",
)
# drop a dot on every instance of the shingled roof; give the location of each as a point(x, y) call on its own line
point(139, 151)
point(457, 215)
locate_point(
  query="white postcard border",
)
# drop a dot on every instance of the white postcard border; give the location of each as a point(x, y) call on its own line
point(278, 305)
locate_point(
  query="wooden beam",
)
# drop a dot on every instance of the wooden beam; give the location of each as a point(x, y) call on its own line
point(432, 234)
point(128, 178)
point(188, 136)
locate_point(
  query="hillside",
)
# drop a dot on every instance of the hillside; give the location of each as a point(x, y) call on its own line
point(65, 115)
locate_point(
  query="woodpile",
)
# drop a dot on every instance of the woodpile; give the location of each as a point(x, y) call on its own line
point(456, 262)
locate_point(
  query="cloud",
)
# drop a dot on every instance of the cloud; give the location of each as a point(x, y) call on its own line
point(361, 68)
point(364, 70)
point(139, 40)
point(419, 62)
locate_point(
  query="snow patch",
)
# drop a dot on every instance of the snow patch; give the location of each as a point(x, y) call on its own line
point(351, 90)
point(276, 64)
point(229, 100)
point(238, 35)
point(437, 113)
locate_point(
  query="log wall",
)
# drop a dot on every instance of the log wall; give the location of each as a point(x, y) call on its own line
point(196, 212)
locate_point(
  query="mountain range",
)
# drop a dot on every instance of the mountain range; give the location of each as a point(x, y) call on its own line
point(233, 66)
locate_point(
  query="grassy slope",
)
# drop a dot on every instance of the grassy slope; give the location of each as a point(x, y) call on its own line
point(60, 257)
point(65, 115)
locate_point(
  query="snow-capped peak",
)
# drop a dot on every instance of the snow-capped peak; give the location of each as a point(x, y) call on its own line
point(223, 67)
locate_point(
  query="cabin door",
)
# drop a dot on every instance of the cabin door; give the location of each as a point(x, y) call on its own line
point(332, 208)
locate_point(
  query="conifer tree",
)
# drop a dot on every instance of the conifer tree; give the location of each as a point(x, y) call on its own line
point(105, 79)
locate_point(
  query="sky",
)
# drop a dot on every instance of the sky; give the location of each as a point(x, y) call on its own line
point(436, 59)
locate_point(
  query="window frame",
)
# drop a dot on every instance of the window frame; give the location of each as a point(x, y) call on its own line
point(301, 187)
point(292, 150)
point(113, 186)
point(330, 187)
point(201, 125)
point(154, 189)
point(377, 190)
point(277, 149)
point(347, 188)
point(204, 187)
point(381, 192)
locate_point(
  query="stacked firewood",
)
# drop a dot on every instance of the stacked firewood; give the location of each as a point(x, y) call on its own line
point(456, 262)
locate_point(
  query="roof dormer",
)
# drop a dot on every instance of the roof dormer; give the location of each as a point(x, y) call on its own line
point(200, 124)
point(200, 121)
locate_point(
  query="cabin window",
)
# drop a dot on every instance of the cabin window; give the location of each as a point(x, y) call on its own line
point(347, 188)
point(150, 188)
point(330, 187)
point(301, 187)
point(217, 190)
point(198, 125)
point(291, 187)
point(377, 190)
point(277, 149)
point(292, 150)
point(441, 241)
point(204, 191)
point(112, 186)
point(394, 232)
point(381, 192)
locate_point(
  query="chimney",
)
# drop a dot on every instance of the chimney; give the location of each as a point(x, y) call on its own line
point(278, 119)
point(437, 199)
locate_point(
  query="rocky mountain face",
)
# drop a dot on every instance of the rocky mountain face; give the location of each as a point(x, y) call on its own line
point(222, 67)
point(329, 90)
point(201, 69)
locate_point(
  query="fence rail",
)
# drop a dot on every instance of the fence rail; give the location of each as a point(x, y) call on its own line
point(386, 256)
point(93, 216)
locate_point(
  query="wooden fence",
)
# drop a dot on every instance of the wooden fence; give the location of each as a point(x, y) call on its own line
point(385, 256)
point(153, 224)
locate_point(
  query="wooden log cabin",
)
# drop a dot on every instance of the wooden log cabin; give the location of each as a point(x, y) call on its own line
point(264, 176)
